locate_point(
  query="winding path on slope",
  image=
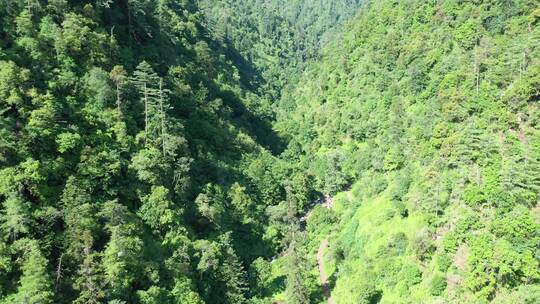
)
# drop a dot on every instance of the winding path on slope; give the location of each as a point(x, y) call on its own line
point(328, 203)
point(322, 273)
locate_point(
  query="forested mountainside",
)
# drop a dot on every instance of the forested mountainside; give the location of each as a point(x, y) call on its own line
point(132, 166)
point(204, 151)
point(136, 151)
point(279, 37)
point(422, 120)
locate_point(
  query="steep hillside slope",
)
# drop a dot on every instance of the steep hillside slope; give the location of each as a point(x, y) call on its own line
point(426, 112)
point(279, 37)
point(140, 159)
point(131, 160)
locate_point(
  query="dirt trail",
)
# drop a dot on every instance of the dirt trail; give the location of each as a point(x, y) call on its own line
point(328, 203)
point(322, 273)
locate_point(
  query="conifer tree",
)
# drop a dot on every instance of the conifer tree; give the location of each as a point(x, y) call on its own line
point(35, 284)
point(15, 217)
point(145, 80)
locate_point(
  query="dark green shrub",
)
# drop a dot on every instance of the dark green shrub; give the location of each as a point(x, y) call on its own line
point(378, 184)
point(368, 294)
point(444, 261)
point(410, 275)
point(437, 284)
point(401, 209)
point(423, 246)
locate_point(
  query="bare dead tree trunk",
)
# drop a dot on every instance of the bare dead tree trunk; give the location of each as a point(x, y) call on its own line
point(29, 6)
point(522, 65)
point(111, 41)
point(477, 72)
point(163, 130)
point(58, 272)
point(118, 100)
point(145, 114)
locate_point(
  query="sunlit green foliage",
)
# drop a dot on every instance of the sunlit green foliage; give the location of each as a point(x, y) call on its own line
point(426, 114)
point(199, 151)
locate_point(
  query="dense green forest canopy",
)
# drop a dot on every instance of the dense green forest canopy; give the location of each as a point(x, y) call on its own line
point(422, 121)
point(278, 37)
point(127, 142)
point(134, 154)
point(279, 151)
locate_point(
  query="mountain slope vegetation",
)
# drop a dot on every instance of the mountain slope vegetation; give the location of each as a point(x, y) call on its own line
point(422, 120)
point(130, 163)
point(279, 37)
point(137, 151)
point(204, 151)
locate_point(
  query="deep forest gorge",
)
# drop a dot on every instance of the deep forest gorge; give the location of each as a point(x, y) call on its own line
point(278, 151)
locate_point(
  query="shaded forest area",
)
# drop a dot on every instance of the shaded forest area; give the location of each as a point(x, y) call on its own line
point(136, 160)
point(204, 151)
